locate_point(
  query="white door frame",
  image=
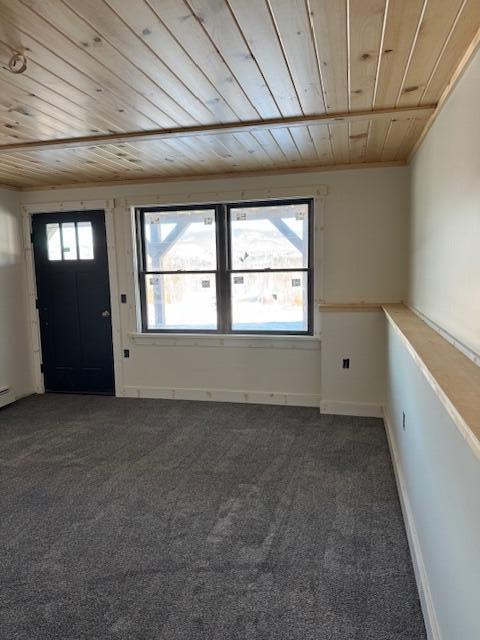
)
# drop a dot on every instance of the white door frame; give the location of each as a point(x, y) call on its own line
point(36, 348)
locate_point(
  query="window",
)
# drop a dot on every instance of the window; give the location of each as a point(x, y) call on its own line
point(230, 268)
point(70, 241)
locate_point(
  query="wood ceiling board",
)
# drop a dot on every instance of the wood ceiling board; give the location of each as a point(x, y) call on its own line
point(366, 28)
point(41, 85)
point(106, 43)
point(253, 147)
point(234, 149)
point(269, 144)
point(152, 154)
point(85, 93)
point(33, 122)
point(263, 41)
point(120, 49)
point(376, 139)
point(464, 32)
point(397, 132)
point(187, 30)
point(285, 141)
point(403, 20)
point(150, 30)
point(321, 137)
point(219, 23)
point(196, 153)
point(77, 65)
point(304, 143)
point(406, 146)
point(357, 140)
point(437, 21)
point(170, 80)
point(293, 25)
point(329, 24)
point(340, 142)
point(34, 96)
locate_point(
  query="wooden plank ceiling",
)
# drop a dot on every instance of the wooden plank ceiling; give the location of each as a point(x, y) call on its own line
point(99, 68)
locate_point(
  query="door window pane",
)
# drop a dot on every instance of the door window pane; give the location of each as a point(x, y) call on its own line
point(69, 238)
point(85, 240)
point(54, 242)
point(180, 240)
point(274, 237)
point(181, 301)
point(269, 301)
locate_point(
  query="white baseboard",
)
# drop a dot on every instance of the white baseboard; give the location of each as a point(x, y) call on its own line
point(255, 397)
point(361, 409)
point(224, 395)
point(426, 600)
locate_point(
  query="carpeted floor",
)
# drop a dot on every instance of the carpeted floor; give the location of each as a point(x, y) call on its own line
point(172, 520)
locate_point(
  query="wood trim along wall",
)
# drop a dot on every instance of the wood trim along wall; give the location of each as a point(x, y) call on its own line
point(219, 196)
point(454, 378)
point(466, 350)
point(202, 130)
point(356, 306)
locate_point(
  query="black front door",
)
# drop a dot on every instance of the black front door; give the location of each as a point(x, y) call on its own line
point(74, 301)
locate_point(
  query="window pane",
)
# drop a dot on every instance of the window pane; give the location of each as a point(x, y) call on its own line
point(180, 240)
point(85, 240)
point(269, 301)
point(53, 241)
point(69, 238)
point(181, 301)
point(273, 236)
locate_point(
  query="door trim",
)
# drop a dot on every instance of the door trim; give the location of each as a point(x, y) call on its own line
point(107, 206)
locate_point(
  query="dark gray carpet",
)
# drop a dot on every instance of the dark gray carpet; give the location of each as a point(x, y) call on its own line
point(150, 519)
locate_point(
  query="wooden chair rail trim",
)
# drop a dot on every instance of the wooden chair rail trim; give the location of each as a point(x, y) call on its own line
point(454, 377)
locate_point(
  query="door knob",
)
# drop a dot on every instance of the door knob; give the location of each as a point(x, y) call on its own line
point(105, 314)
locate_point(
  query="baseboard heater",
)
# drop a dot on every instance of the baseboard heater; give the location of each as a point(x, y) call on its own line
point(6, 395)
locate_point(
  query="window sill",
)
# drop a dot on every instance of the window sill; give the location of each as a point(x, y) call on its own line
point(241, 341)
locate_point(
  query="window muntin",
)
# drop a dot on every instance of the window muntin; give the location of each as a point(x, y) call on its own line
point(85, 240)
point(181, 302)
point(274, 236)
point(270, 301)
point(69, 241)
point(54, 241)
point(180, 240)
point(212, 286)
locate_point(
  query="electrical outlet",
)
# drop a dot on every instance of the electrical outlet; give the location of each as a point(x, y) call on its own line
point(403, 420)
point(346, 363)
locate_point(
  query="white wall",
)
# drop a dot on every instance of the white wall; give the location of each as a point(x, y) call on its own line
point(359, 336)
point(15, 356)
point(365, 232)
point(445, 225)
point(441, 475)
